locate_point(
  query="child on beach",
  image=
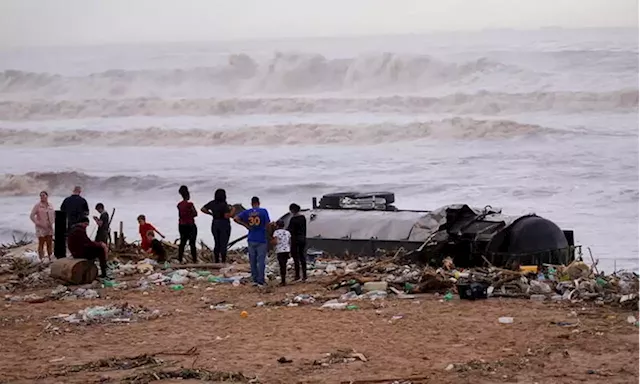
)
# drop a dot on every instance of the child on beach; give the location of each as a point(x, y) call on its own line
point(102, 234)
point(282, 242)
point(144, 228)
point(156, 247)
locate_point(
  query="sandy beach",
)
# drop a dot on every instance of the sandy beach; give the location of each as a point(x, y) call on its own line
point(419, 340)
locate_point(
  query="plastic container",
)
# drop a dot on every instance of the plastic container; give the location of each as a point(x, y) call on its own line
point(334, 304)
point(529, 268)
point(375, 286)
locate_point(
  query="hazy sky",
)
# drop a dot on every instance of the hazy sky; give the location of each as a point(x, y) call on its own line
point(69, 22)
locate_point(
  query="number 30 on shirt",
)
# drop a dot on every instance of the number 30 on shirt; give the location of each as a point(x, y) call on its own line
point(254, 221)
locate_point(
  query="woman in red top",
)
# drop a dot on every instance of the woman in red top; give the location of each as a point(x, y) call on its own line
point(187, 224)
point(145, 227)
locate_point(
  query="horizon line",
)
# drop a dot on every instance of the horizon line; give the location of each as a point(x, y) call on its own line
point(312, 37)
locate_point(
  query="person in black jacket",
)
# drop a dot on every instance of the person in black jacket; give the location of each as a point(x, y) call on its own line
point(75, 207)
point(298, 229)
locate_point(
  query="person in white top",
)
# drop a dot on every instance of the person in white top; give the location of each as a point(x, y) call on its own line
point(282, 242)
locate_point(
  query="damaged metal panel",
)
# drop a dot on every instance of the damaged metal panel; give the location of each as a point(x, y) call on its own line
point(361, 225)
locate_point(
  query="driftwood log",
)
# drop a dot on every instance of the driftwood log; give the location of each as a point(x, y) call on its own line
point(74, 271)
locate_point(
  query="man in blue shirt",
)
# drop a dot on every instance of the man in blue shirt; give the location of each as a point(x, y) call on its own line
point(256, 220)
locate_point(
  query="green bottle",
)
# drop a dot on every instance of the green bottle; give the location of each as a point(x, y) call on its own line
point(448, 296)
point(408, 287)
point(177, 287)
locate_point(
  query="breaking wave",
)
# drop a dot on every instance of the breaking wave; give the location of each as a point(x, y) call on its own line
point(490, 103)
point(455, 128)
point(241, 74)
point(63, 182)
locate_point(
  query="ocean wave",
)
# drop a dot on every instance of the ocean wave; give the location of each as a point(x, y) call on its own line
point(310, 134)
point(32, 183)
point(61, 184)
point(241, 74)
point(489, 103)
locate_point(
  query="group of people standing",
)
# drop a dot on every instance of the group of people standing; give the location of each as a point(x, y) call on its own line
point(76, 209)
point(257, 222)
point(220, 211)
point(287, 242)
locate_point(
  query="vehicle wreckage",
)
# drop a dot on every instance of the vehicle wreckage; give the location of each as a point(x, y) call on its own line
point(362, 224)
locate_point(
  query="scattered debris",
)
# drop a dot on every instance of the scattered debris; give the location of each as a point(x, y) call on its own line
point(123, 363)
point(340, 356)
point(304, 299)
point(124, 313)
point(575, 282)
point(334, 304)
point(188, 374)
point(565, 324)
point(222, 307)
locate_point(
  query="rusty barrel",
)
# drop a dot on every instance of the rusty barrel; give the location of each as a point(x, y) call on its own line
point(74, 271)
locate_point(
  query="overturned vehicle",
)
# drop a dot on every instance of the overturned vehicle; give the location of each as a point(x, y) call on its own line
point(362, 224)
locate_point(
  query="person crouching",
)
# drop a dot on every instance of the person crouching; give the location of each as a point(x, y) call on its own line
point(81, 247)
point(156, 247)
point(282, 242)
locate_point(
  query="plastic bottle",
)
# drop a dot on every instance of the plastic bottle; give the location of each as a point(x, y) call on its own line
point(408, 287)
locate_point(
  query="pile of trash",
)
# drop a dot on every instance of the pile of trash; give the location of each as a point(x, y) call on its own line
point(37, 279)
point(61, 292)
point(574, 282)
point(156, 275)
point(24, 266)
point(123, 313)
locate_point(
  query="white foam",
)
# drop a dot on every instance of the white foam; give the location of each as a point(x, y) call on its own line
point(277, 135)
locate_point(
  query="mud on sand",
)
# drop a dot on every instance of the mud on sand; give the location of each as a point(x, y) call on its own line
point(432, 341)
